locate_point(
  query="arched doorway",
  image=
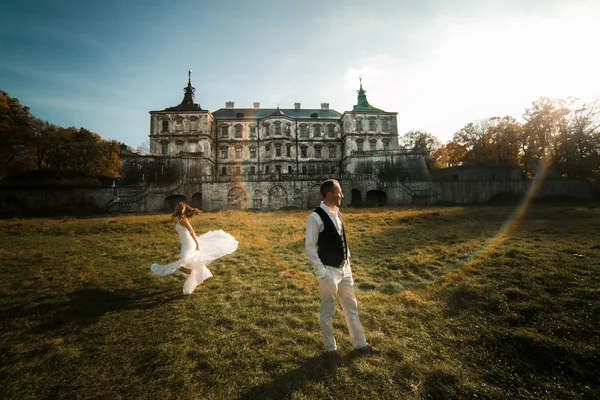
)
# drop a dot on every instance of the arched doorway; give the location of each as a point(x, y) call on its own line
point(197, 200)
point(237, 197)
point(376, 198)
point(277, 197)
point(171, 201)
point(356, 199)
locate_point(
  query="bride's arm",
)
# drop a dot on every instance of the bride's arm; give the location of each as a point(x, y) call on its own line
point(188, 226)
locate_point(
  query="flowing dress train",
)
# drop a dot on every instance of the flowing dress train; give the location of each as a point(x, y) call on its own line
point(213, 245)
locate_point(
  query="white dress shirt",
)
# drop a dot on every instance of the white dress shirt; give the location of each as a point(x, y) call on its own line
point(314, 226)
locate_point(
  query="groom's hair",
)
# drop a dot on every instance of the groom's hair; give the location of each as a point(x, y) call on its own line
point(327, 187)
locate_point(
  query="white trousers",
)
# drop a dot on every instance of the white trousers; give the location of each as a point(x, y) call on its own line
point(338, 284)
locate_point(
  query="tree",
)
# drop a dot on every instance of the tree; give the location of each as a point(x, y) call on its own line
point(15, 135)
point(578, 142)
point(450, 155)
point(543, 122)
point(423, 141)
point(504, 135)
point(474, 139)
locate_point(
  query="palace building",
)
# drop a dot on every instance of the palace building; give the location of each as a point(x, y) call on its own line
point(272, 158)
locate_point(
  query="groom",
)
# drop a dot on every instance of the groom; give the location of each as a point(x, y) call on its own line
point(327, 249)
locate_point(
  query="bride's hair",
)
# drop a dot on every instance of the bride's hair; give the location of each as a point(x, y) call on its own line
point(183, 210)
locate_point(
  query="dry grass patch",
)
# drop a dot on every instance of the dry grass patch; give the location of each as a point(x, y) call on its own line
point(458, 310)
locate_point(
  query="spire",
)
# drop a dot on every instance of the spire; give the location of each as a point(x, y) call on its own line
point(362, 103)
point(188, 103)
point(188, 97)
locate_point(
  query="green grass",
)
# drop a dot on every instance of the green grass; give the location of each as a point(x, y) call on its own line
point(458, 310)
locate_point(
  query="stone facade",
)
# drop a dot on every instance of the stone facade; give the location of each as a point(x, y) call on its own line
point(265, 158)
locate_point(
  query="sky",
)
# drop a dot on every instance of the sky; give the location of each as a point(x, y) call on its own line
point(439, 64)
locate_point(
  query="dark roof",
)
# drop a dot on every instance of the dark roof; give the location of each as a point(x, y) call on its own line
point(258, 113)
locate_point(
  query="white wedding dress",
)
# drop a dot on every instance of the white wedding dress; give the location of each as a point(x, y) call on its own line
point(213, 245)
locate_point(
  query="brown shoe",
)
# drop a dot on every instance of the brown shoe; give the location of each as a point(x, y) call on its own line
point(368, 349)
point(333, 355)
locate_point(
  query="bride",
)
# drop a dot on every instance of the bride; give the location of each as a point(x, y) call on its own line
point(196, 251)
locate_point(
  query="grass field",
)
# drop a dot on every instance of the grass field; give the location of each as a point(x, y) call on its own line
point(464, 302)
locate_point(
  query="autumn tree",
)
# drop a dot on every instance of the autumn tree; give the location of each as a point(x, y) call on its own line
point(15, 135)
point(504, 136)
point(29, 144)
point(423, 141)
point(578, 142)
point(475, 141)
point(544, 121)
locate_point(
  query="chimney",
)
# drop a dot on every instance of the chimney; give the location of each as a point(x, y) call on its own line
point(324, 106)
point(296, 106)
point(229, 105)
point(256, 104)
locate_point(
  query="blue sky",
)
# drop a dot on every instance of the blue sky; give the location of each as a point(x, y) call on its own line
point(439, 64)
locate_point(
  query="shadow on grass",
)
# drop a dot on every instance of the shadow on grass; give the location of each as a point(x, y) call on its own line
point(85, 307)
point(316, 369)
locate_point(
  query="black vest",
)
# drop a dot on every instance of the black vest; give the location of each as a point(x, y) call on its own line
point(332, 250)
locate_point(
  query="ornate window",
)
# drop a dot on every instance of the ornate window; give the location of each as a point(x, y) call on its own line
point(290, 169)
point(304, 169)
point(278, 128)
point(252, 131)
point(317, 151)
point(386, 145)
point(303, 152)
point(238, 131)
point(371, 124)
point(268, 150)
point(165, 126)
point(164, 147)
point(224, 131)
point(266, 169)
point(278, 150)
point(373, 145)
point(253, 170)
point(359, 145)
point(238, 152)
point(358, 123)
point(317, 130)
point(332, 152)
point(224, 151)
point(288, 149)
point(331, 130)
point(288, 129)
point(303, 131)
point(252, 152)
point(267, 129)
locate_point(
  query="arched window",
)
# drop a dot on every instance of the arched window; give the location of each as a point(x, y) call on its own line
point(224, 151)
